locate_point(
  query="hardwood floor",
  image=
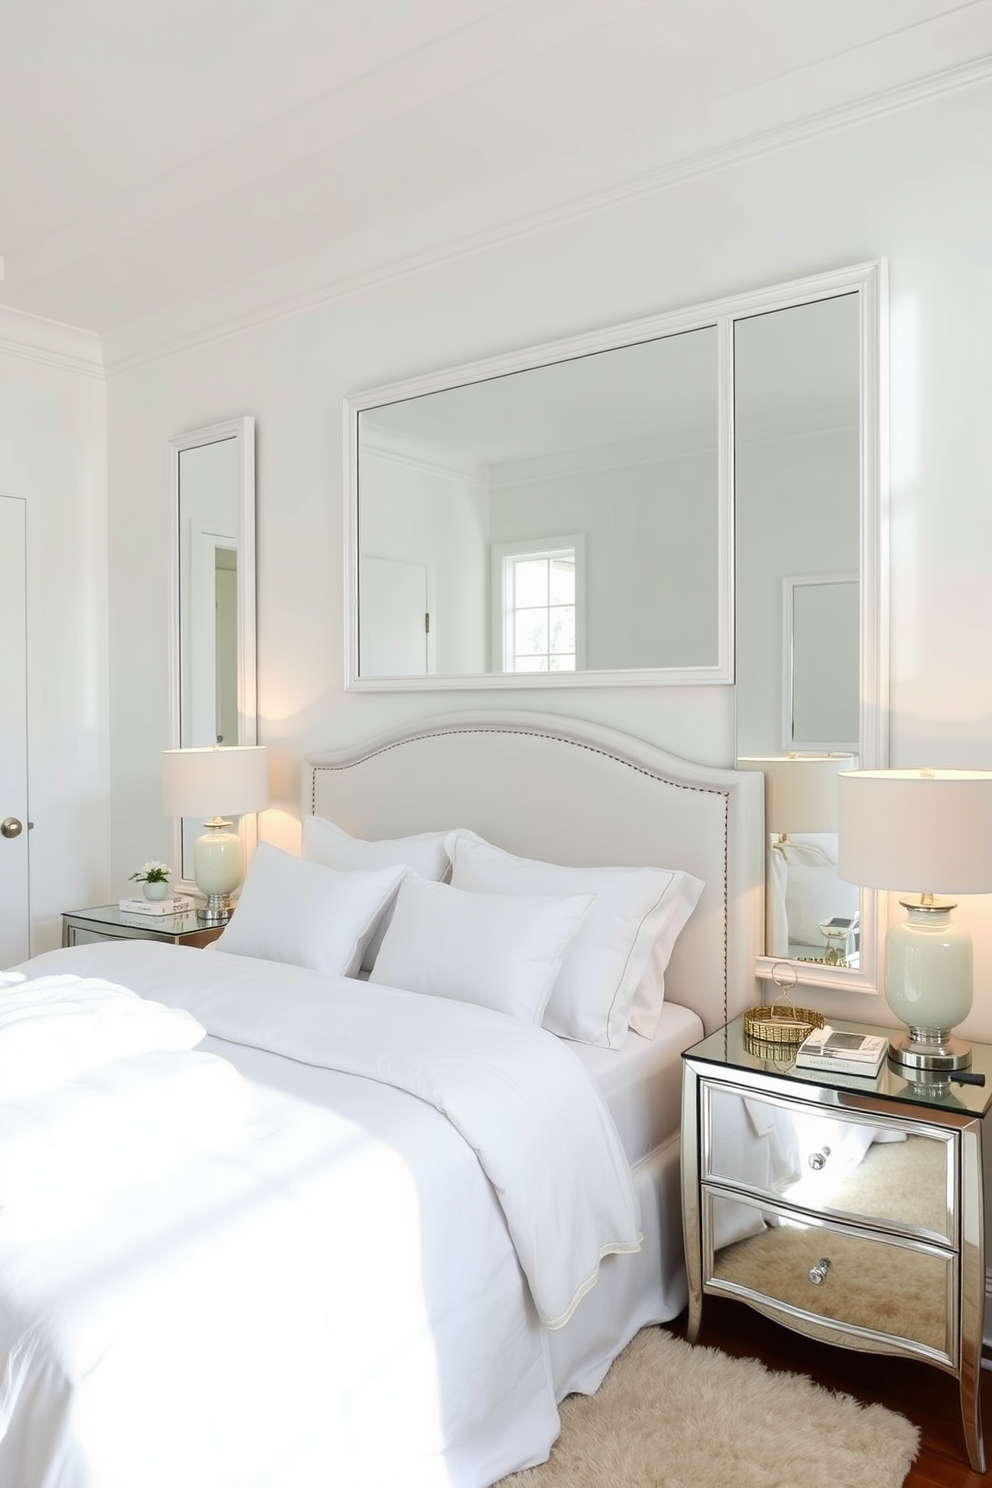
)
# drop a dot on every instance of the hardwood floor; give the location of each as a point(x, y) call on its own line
point(925, 1395)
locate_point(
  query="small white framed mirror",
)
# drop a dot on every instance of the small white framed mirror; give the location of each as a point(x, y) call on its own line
point(212, 625)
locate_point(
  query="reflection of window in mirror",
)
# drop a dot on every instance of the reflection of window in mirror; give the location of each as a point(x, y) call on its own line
point(540, 595)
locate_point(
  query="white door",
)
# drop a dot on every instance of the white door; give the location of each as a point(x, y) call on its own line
point(14, 903)
point(397, 633)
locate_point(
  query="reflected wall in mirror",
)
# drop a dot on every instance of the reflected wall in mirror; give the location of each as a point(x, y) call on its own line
point(564, 521)
point(810, 647)
point(213, 598)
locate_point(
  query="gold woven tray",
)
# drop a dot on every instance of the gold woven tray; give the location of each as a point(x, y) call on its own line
point(781, 1023)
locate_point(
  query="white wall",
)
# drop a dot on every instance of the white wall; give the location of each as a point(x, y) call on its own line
point(53, 454)
point(910, 186)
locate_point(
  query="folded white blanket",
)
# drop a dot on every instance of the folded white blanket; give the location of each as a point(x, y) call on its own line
point(53, 1028)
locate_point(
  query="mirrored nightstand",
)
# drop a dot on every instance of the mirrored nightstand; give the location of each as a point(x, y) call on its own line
point(110, 922)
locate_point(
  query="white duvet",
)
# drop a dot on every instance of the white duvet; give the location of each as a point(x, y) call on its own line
point(300, 1276)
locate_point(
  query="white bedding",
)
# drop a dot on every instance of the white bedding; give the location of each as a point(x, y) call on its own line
point(251, 1313)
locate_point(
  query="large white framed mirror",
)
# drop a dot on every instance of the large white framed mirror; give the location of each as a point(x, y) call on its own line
point(212, 625)
point(555, 517)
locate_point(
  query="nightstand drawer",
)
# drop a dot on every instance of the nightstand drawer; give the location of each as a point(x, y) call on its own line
point(865, 1281)
point(890, 1175)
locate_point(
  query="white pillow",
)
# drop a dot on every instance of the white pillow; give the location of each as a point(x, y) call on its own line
point(307, 914)
point(324, 842)
point(625, 940)
point(499, 951)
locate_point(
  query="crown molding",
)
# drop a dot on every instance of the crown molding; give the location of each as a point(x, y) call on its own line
point(124, 352)
point(48, 341)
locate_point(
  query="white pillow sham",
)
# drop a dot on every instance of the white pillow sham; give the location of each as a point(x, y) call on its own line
point(498, 951)
point(306, 913)
point(612, 976)
point(325, 842)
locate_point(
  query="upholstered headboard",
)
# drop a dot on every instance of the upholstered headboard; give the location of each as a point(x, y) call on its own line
point(574, 793)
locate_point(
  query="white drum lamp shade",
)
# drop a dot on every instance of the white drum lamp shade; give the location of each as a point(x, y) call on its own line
point(216, 783)
point(925, 833)
point(800, 790)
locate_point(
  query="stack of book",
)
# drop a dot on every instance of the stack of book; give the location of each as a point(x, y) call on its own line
point(175, 906)
point(846, 1053)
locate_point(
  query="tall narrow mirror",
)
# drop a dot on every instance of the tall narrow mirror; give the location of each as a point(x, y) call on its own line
point(213, 598)
point(810, 649)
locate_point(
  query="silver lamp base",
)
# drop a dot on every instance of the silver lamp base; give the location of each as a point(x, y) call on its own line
point(216, 910)
point(934, 1049)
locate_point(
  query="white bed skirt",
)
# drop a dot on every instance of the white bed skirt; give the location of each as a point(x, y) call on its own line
point(633, 1291)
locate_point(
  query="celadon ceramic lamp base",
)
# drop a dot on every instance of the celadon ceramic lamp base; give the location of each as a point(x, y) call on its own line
point(928, 985)
point(218, 868)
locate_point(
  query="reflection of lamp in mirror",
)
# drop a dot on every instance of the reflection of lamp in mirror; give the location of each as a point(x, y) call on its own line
point(227, 782)
point(800, 790)
point(809, 916)
point(930, 830)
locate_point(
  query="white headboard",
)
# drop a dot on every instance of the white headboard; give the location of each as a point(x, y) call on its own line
point(574, 793)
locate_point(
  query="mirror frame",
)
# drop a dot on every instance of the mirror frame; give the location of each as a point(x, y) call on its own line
point(612, 338)
point(242, 431)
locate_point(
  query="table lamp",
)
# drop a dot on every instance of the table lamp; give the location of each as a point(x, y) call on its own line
point(929, 831)
point(226, 781)
point(800, 790)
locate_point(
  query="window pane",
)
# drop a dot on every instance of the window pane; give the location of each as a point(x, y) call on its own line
point(563, 628)
point(531, 582)
point(531, 632)
point(562, 664)
point(561, 588)
point(531, 664)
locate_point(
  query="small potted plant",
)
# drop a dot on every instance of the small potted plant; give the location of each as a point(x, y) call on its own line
point(154, 879)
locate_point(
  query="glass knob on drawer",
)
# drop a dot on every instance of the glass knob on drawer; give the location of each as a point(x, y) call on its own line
point(818, 1160)
point(818, 1273)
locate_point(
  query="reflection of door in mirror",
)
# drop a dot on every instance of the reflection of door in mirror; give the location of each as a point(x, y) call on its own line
point(208, 548)
point(397, 638)
point(213, 641)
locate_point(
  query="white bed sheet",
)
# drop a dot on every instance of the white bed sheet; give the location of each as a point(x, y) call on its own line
point(641, 1082)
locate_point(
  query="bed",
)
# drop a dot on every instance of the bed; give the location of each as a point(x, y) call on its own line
point(365, 1234)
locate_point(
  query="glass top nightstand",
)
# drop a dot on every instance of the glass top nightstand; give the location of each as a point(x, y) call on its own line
point(731, 1048)
point(110, 922)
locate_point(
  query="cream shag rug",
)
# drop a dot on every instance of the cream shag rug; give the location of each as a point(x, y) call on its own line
point(671, 1415)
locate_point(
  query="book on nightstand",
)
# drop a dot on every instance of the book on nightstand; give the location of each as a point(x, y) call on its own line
point(175, 906)
point(847, 1053)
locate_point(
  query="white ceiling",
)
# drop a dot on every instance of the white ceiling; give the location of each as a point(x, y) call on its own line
point(155, 153)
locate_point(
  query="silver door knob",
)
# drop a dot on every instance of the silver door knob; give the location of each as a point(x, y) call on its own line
point(11, 827)
point(818, 1160)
